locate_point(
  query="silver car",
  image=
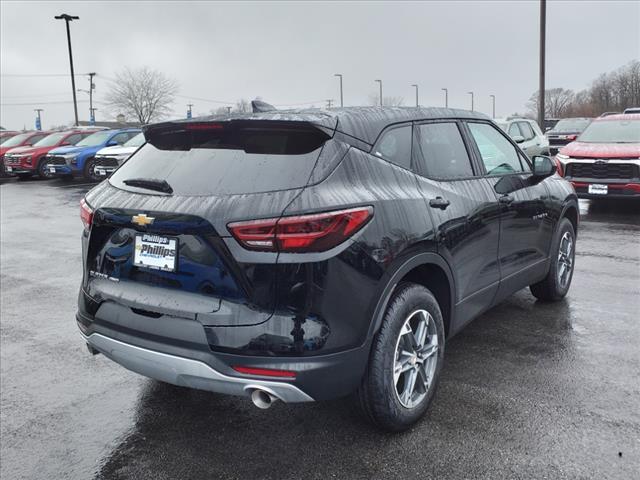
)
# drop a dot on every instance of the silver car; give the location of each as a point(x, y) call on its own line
point(526, 133)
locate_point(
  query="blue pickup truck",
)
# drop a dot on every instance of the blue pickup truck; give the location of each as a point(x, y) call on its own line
point(79, 160)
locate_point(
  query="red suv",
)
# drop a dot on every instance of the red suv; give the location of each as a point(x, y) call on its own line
point(11, 140)
point(28, 160)
point(604, 162)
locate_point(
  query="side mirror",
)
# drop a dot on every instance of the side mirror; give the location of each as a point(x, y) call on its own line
point(112, 143)
point(65, 144)
point(543, 166)
point(518, 138)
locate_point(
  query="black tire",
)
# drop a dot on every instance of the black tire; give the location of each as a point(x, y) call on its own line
point(89, 170)
point(23, 176)
point(42, 170)
point(553, 287)
point(378, 395)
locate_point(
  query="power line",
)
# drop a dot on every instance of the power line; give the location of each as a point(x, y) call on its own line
point(42, 103)
point(41, 74)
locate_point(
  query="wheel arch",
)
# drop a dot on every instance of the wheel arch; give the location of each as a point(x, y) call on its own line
point(428, 269)
point(571, 211)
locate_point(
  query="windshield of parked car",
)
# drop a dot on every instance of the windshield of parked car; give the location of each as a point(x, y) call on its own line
point(612, 131)
point(136, 141)
point(17, 140)
point(571, 125)
point(95, 139)
point(50, 140)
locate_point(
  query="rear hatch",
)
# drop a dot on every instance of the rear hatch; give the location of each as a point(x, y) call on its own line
point(159, 241)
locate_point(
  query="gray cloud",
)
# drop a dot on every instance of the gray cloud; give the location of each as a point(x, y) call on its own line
point(287, 52)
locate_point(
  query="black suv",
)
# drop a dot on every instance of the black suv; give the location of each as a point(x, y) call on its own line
point(306, 255)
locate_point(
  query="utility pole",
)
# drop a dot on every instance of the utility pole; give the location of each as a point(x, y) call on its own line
point(38, 118)
point(67, 19)
point(228, 110)
point(92, 118)
point(341, 97)
point(414, 85)
point(543, 34)
point(189, 105)
point(493, 102)
point(471, 93)
point(446, 97)
point(380, 82)
point(329, 102)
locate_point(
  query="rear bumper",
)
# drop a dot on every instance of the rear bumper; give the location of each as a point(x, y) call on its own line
point(187, 372)
point(176, 350)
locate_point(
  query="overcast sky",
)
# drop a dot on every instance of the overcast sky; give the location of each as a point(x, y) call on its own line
point(287, 52)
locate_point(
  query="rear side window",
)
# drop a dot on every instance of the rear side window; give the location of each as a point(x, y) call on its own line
point(216, 159)
point(73, 139)
point(499, 156)
point(514, 131)
point(35, 139)
point(395, 146)
point(441, 151)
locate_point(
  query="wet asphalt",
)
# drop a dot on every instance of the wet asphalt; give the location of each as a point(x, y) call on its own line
point(528, 390)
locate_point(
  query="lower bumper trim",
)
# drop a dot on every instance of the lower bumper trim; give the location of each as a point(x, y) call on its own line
point(187, 372)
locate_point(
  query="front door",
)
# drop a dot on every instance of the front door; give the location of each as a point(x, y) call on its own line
point(525, 224)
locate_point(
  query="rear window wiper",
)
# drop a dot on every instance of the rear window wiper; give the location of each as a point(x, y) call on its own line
point(149, 184)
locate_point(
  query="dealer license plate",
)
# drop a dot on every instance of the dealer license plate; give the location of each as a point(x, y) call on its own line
point(156, 252)
point(9, 169)
point(52, 169)
point(597, 189)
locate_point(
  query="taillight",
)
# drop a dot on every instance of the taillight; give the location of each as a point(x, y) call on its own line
point(303, 233)
point(265, 372)
point(86, 214)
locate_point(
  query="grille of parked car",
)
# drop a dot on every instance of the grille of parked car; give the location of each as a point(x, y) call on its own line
point(56, 161)
point(602, 170)
point(106, 161)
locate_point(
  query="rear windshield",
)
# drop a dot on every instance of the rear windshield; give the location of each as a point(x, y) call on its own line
point(571, 125)
point(225, 160)
point(612, 131)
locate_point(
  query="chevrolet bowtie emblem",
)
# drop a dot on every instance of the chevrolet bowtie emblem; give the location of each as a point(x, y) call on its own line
point(142, 220)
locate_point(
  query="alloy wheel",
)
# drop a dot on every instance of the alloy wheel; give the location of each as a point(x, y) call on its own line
point(565, 259)
point(416, 358)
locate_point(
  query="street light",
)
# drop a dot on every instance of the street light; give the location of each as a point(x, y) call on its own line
point(414, 85)
point(67, 19)
point(341, 98)
point(471, 93)
point(446, 97)
point(493, 102)
point(380, 82)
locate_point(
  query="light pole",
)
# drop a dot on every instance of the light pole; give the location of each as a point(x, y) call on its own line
point(471, 93)
point(341, 97)
point(414, 85)
point(493, 103)
point(380, 82)
point(543, 33)
point(67, 19)
point(92, 86)
point(93, 116)
point(38, 118)
point(446, 97)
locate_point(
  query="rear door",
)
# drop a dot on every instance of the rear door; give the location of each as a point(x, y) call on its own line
point(525, 224)
point(465, 213)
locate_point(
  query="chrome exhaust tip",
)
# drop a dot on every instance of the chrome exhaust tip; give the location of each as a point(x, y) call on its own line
point(262, 399)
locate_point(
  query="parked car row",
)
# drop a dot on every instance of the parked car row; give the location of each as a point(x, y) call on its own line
point(75, 152)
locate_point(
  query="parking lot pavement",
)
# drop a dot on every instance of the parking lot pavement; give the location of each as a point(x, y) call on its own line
point(528, 390)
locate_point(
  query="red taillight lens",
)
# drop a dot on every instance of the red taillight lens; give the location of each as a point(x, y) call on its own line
point(86, 214)
point(304, 233)
point(265, 372)
point(203, 126)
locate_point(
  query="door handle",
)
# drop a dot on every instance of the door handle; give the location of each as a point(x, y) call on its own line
point(506, 199)
point(439, 202)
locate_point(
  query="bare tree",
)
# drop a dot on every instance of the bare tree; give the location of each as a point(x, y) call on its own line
point(556, 102)
point(374, 100)
point(243, 106)
point(142, 93)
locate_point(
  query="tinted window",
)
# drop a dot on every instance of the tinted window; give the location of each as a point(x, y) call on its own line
point(395, 146)
point(136, 140)
point(526, 130)
point(121, 138)
point(36, 138)
point(73, 139)
point(498, 154)
point(442, 151)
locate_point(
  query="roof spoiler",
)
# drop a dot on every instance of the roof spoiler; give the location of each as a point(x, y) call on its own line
point(259, 106)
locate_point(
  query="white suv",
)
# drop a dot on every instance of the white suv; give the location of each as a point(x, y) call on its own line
point(526, 133)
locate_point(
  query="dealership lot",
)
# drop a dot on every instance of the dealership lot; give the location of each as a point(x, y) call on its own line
point(528, 390)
